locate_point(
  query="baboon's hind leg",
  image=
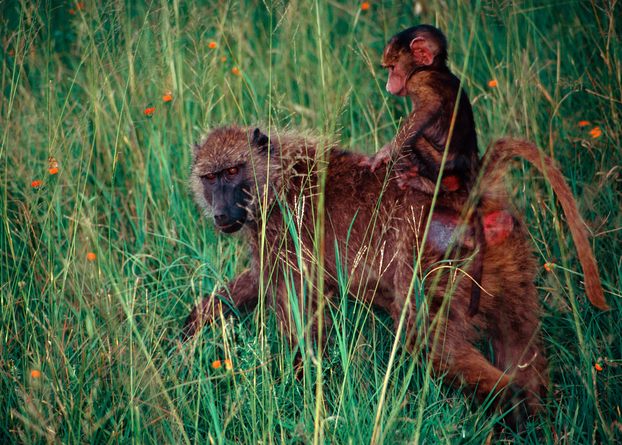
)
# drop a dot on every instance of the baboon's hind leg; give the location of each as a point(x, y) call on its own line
point(516, 348)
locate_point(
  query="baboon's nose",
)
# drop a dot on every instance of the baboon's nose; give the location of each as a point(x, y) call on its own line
point(220, 219)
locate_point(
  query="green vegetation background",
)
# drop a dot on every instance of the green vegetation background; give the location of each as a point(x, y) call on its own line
point(89, 349)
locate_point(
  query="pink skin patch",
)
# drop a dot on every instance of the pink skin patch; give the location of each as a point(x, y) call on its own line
point(497, 227)
point(445, 231)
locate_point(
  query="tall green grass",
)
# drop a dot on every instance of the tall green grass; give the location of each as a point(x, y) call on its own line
point(103, 334)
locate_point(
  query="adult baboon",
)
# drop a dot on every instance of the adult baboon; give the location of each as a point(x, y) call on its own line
point(373, 234)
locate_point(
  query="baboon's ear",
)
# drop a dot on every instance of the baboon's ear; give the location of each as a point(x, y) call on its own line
point(260, 140)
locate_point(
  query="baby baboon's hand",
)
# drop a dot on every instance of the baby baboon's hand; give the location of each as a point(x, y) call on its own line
point(383, 156)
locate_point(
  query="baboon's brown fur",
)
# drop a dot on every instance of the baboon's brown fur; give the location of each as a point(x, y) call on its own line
point(377, 229)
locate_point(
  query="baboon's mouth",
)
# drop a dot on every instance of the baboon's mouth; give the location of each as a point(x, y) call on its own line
point(231, 228)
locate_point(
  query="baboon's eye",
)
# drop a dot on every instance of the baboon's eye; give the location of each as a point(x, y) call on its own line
point(209, 176)
point(232, 170)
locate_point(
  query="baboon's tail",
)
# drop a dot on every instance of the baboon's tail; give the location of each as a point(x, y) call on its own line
point(494, 162)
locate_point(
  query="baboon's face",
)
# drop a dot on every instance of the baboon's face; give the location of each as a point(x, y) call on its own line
point(227, 191)
point(228, 169)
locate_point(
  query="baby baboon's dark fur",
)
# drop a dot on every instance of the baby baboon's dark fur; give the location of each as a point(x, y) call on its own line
point(377, 228)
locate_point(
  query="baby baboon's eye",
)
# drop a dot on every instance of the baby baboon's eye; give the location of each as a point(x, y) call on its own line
point(232, 170)
point(209, 176)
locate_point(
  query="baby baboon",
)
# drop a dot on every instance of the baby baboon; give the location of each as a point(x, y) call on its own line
point(375, 231)
point(416, 60)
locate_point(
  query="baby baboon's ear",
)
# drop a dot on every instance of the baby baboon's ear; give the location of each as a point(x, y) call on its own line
point(260, 140)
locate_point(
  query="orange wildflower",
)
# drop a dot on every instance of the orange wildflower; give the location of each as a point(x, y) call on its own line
point(149, 111)
point(365, 6)
point(224, 59)
point(493, 83)
point(235, 71)
point(596, 132)
point(53, 170)
point(584, 123)
point(167, 97)
point(549, 266)
point(35, 184)
point(217, 364)
point(91, 256)
point(35, 373)
point(72, 12)
point(79, 6)
point(11, 52)
point(598, 367)
point(212, 45)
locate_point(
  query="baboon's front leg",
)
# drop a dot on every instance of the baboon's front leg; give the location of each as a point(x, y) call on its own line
point(241, 293)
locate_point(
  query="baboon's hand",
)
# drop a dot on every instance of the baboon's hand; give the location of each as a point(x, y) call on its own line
point(383, 156)
point(406, 180)
point(409, 177)
point(202, 314)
